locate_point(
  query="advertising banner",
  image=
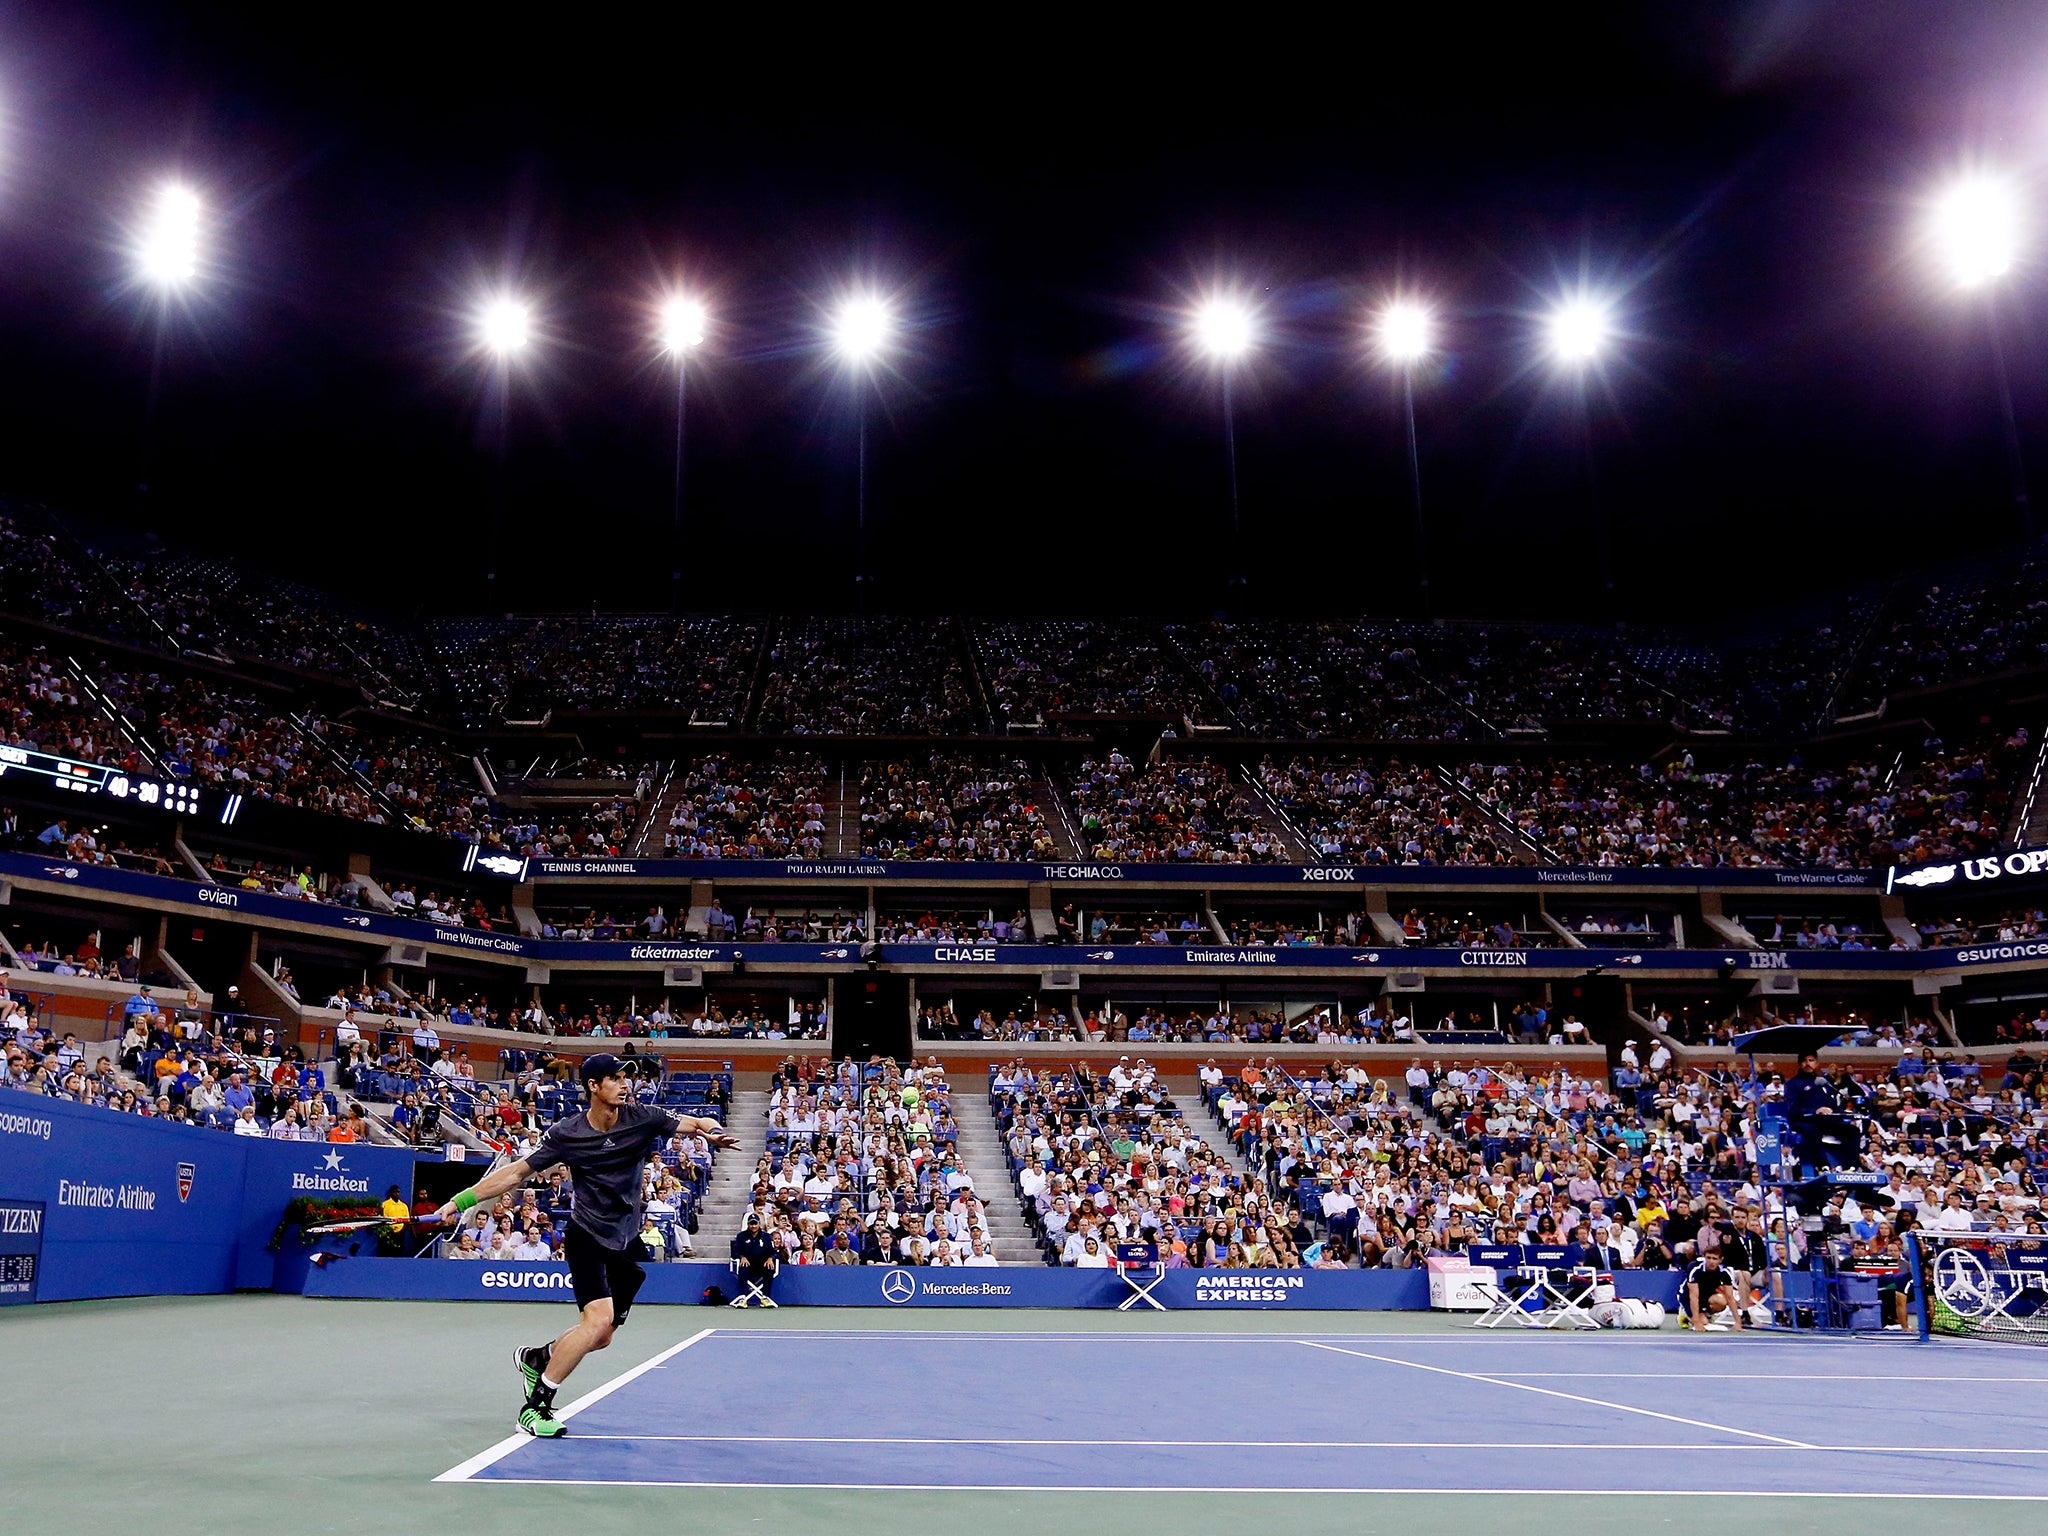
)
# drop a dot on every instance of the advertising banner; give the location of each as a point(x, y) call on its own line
point(653, 954)
point(116, 1205)
point(907, 1287)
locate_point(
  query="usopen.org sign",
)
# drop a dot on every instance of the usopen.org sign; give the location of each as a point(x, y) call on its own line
point(2017, 865)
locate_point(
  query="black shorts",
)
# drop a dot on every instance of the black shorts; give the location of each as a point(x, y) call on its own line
point(596, 1271)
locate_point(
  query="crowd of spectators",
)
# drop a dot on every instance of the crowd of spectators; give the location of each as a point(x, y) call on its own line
point(524, 668)
point(182, 1062)
point(953, 807)
point(46, 575)
point(1357, 811)
point(979, 926)
point(217, 608)
point(867, 677)
point(1102, 1160)
point(1043, 1021)
point(41, 709)
point(725, 807)
point(1169, 811)
point(1649, 1169)
point(1424, 928)
point(2011, 926)
point(1755, 814)
point(1308, 680)
point(1119, 924)
point(1295, 928)
point(1059, 675)
point(1978, 622)
point(861, 1167)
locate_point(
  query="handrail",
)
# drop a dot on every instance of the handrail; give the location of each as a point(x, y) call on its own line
point(115, 1014)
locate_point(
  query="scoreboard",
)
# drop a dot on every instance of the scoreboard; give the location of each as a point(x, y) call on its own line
point(99, 781)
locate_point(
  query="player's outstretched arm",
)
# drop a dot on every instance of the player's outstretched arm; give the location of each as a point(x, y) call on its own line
point(483, 1191)
point(711, 1130)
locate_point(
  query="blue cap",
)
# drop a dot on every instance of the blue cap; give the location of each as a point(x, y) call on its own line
point(600, 1066)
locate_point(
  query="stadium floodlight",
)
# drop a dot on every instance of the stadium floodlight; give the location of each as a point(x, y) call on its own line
point(1222, 328)
point(682, 324)
point(1975, 229)
point(861, 328)
point(167, 254)
point(1578, 330)
point(1406, 331)
point(682, 329)
point(505, 326)
point(1974, 225)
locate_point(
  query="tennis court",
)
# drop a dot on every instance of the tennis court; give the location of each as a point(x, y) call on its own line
point(352, 1417)
point(1303, 1413)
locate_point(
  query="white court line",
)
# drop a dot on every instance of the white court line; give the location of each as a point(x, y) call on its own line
point(1262, 1493)
point(2038, 1381)
point(1332, 1445)
point(1771, 1342)
point(1520, 1386)
point(505, 1447)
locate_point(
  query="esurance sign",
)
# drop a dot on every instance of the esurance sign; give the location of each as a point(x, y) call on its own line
point(2020, 864)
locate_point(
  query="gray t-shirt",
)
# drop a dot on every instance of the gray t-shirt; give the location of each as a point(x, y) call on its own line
point(607, 1167)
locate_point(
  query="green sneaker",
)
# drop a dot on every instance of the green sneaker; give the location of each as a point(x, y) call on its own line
point(538, 1420)
point(530, 1363)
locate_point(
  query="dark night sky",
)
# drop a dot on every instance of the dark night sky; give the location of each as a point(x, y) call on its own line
point(1794, 405)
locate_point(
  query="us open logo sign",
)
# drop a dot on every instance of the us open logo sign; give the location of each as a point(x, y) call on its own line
point(186, 1172)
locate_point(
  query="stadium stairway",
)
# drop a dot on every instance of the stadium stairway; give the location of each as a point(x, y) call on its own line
point(981, 1151)
point(1198, 1114)
point(842, 814)
point(1066, 840)
point(725, 1196)
point(646, 840)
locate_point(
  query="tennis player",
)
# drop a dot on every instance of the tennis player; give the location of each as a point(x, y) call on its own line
point(605, 1148)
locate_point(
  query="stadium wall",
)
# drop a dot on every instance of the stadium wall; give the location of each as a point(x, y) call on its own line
point(877, 1285)
point(114, 1205)
point(102, 1205)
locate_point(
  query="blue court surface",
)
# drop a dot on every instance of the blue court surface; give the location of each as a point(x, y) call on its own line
point(1306, 1413)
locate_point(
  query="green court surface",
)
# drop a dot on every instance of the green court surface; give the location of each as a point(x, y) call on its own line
point(275, 1413)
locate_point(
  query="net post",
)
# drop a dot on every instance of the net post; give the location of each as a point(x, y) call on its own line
point(1923, 1311)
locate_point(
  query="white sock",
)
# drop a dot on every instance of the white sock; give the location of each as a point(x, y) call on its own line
point(552, 1386)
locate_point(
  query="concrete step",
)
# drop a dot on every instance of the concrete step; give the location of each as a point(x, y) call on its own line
point(981, 1149)
point(725, 1198)
point(1198, 1116)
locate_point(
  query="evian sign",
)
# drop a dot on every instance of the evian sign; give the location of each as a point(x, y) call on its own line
point(2018, 864)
